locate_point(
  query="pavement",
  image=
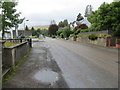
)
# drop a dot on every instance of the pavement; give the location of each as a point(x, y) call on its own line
point(85, 66)
point(39, 71)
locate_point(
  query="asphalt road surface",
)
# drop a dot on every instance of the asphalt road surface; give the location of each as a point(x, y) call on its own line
point(85, 66)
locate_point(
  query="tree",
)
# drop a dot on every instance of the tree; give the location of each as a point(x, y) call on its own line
point(63, 23)
point(53, 22)
point(53, 29)
point(79, 18)
point(26, 28)
point(32, 29)
point(66, 32)
point(106, 17)
point(88, 10)
point(9, 16)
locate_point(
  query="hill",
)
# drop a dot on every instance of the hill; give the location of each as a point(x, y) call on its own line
point(41, 27)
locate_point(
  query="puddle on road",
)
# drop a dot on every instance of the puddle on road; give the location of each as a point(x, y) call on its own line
point(46, 76)
point(38, 51)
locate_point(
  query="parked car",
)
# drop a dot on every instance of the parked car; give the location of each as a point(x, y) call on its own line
point(53, 36)
point(66, 38)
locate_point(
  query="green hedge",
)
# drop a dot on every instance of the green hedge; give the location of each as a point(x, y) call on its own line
point(92, 37)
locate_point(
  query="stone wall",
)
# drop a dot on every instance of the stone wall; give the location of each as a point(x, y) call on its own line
point(22, 32)
point(11, 55)
point(99, 41)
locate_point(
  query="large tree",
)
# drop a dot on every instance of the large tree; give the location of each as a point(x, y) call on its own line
point(26, 28)
point(53, 29)
point(10, 17)
point(106, 17)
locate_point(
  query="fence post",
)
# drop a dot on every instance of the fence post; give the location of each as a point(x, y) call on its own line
point(30, 42)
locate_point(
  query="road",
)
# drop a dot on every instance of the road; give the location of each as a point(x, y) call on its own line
point(85, 66)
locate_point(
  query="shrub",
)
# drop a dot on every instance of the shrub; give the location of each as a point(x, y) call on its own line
point(117, 31)
point(92, 37)
point(72, 35)
point(59, 32)
point(84, 30)
point(22, 36)
point(118, 41)
point(67, 32)
point(61, 35)
point(33, 37)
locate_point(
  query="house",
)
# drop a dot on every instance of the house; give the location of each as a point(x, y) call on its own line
point(22, 33)
point(7, 35)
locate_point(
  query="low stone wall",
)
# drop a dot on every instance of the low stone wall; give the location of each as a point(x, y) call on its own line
point(11, 55)
point(100, 41)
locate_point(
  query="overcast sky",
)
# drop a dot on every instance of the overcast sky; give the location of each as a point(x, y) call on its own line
point(41, 12)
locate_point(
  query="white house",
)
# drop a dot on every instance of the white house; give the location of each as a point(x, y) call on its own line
point(8, 34)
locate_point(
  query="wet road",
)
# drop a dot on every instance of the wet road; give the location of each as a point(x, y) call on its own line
point(85, 66)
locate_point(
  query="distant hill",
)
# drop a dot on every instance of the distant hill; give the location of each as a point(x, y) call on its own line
point(41, 27)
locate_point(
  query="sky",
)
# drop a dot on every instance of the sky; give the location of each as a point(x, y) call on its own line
point(41, 12)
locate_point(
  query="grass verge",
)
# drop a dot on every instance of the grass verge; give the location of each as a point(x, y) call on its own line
point(9, 44)
point(15, 69)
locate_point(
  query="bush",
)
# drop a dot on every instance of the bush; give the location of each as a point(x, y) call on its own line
point(59, 32)
point(33, 37)
point(72, 35)
point(77, 31)
point(117, 32)
point(84, 30)
point(92, 37)
point(67, 32)
point(118, 41)
point(22, 36)
point(61, 35)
